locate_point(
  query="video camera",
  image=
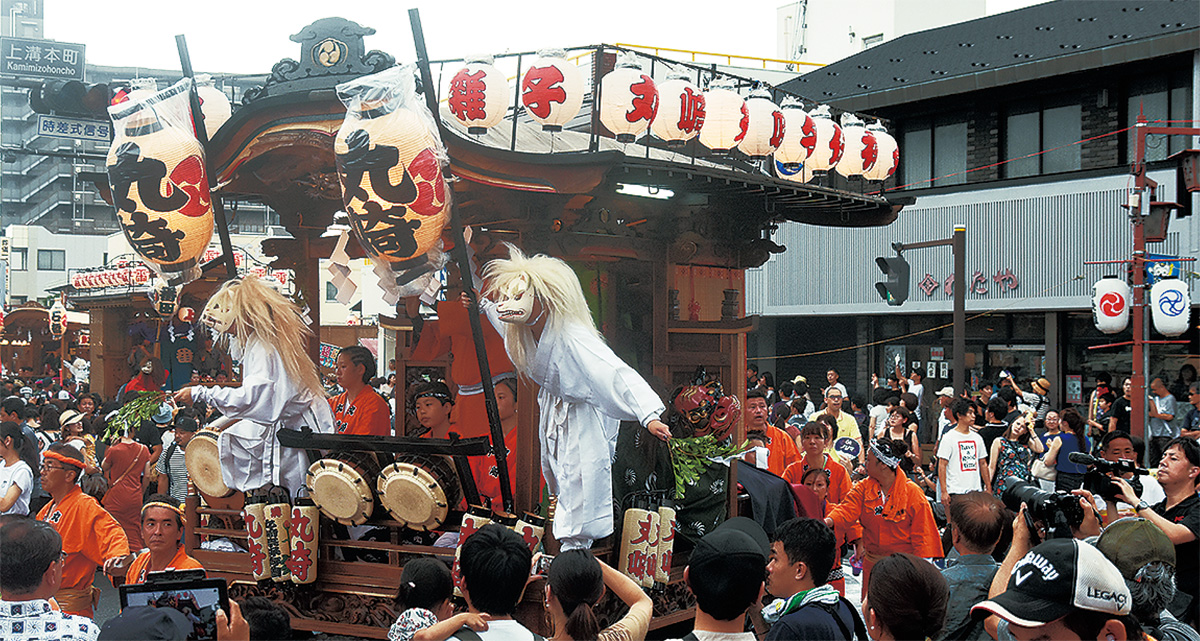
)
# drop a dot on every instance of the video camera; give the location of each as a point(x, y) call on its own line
point(1049, 515)
point(1099, 477)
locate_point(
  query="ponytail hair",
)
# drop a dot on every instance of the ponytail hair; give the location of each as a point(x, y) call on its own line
point(26, 450)
point(577, 581)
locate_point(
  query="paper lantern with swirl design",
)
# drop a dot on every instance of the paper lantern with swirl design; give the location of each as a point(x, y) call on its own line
point(159, 184)
point(681, 111)
point(552, 90)
point(830, 142)
point(478, 95)
point(726, 118)
point(889, 155)
point(1170, 306)
point(389, 163)
point(766, 128)
point(1110, 304)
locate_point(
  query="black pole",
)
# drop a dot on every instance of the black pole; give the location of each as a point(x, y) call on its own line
point(185, 62)
point(960, 309)
point(459, 252)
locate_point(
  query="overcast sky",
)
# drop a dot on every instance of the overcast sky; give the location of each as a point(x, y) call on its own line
point(249, 36)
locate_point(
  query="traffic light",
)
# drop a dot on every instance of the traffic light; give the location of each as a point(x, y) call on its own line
point(71, 98)
point(895, 289)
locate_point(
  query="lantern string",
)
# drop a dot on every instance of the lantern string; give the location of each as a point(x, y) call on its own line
point(919, 332)
point(1005, 162)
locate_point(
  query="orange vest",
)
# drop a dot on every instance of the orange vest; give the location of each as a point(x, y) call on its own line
point(90, 536)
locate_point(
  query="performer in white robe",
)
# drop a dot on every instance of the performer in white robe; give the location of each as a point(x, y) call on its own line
point(280, 387)
point(585, 388)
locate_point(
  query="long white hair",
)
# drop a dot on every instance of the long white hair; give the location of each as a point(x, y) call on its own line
point(553, 284)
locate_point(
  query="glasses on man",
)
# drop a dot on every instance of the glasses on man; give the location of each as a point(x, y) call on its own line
point(47, 466)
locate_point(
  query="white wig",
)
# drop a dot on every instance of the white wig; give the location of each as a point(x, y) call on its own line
point(553, 284)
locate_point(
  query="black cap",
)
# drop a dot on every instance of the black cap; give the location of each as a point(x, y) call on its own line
point(146, 622)
point(738, 538)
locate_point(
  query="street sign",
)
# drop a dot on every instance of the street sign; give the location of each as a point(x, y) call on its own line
point(41, 58)
point(74, 128)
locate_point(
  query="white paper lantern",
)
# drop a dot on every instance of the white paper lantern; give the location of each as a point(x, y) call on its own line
point(214, 104)
point(1110, 304)
point(766, 129)
point(552, 90)
point(799, 136)
point(478, 95)
point(889, 155)
point(1170, 306)
point(681, 111)
point(628, 100)
point(830, 142)
point(861, 151)
point(726, 118)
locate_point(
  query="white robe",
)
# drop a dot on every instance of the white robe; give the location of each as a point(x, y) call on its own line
point(266, 402)
point(585, 391)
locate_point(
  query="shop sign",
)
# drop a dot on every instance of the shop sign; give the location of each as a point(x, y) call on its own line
point(937, 353)
point(329, 355)
point(978, 284)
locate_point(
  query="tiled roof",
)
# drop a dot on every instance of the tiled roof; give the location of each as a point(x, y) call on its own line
point(1043, 40)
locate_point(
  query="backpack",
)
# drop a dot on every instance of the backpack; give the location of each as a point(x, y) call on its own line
point(860, 628)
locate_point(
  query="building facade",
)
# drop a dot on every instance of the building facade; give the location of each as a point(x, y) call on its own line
point(1016, 125)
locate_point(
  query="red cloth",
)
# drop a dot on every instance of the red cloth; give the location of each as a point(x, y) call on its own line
point(90, 536)
point(124, 498)
point(366, 415)
point(141, 383)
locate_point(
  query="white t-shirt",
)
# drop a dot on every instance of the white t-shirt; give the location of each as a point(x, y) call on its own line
point(20, 475)
point(1152, 493)
point(918, 390)
point(963, 455)
point(506, 630)
point(880, 414)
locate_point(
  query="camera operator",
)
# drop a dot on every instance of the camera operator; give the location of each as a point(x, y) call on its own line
point(1114, 448)
point(1179, 518)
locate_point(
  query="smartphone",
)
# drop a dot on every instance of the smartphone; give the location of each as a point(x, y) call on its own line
point(187, 591)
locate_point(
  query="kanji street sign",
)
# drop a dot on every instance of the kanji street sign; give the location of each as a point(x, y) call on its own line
point(41, 58)
point(74, 128)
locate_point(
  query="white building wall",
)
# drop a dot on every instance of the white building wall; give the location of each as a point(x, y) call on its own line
point(32, 283)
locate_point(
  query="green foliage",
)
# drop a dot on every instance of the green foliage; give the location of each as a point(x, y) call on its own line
point(142, 407)
point(691, 456)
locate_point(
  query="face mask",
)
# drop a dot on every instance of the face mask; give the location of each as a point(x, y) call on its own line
point(148, 368)
point(218, 314)
point(516, 302)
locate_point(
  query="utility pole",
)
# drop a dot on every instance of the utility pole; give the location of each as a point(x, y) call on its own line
point(958, 245)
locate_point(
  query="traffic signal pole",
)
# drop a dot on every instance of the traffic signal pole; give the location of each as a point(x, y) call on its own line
point(958, 245)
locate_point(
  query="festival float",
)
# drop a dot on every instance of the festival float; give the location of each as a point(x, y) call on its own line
point(625, 169)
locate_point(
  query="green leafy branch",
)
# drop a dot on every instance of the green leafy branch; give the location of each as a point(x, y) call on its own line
point(142, 407)
point(690, 457)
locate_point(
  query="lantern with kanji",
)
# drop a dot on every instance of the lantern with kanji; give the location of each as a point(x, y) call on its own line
point(861, 149)
point(58, 320)
point(1110, 304)
point(765, 131)
point(889, 154)
point(628, 100)
point(681, 111)
point(159, 184)
point(726, 118)
point(799, 137)
point(1170, 306)
point(830, 142)
point(552, 90)
point(478, 95)
point(389, 161)
point(214, 104)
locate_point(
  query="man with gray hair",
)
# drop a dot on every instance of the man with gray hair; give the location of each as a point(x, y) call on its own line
point(1146, 558)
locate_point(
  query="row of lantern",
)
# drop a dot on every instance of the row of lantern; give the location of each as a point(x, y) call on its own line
point(1170, 305)
point(676, 111)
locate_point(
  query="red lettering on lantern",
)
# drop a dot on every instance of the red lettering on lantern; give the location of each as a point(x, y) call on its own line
point(258, 557)
point(466, 98)
point(777, 128)
point(809, 138)
point(645, 101)
point(837, 144)
point(691, 111)
point(540, 89)
point(431, 189)
point(188, 176)
point(645, 529)
point(300, 562)
point(744, 125)
point(870, 151)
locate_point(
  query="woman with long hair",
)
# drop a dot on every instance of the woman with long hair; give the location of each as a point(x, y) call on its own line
point(1012, 455)
point(18, 459)
point(124, 468)
point(1072, 439)
point(575, 585)
point(905, 598)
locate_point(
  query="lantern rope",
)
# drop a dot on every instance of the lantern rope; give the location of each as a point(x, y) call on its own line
point(916, 333)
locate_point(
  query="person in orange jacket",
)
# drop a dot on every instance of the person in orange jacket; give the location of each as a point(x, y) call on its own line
point(90, 535)
point(893, 511)
point(162, 525)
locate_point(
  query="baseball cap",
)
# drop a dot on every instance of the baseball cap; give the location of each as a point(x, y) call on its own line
point(1053, 579)
point(739, 542)
point(147, 622)
point(947, 391)
point(1133, 542)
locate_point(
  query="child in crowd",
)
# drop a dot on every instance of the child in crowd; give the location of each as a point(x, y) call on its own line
point(425, 590)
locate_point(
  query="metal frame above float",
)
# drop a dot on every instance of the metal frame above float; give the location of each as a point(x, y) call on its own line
point(577, 194)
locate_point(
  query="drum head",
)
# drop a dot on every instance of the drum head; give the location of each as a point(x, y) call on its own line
point(341, 491)
point(203, 460)
point(413, 496)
